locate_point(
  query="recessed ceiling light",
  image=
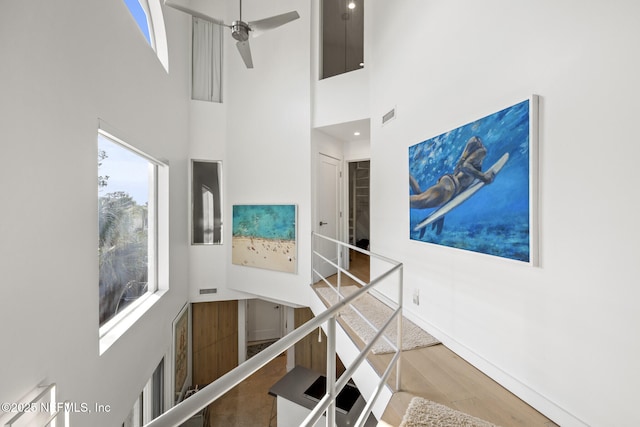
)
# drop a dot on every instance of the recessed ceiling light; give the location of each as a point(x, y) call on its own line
point(356, 133)
point(352, 5)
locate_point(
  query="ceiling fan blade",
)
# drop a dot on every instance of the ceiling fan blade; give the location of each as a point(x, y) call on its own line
point(262, 25)
point(245, 52)
point(192, 12)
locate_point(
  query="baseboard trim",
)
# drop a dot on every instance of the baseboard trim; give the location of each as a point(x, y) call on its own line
point(538, 401)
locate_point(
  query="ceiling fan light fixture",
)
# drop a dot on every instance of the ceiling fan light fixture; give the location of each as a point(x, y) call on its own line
point(351, 5)
point(241, 31)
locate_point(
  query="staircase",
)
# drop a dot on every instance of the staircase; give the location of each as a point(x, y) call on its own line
point(373, 387)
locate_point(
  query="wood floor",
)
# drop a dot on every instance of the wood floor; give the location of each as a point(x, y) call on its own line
point(438, 374)
point(249, 404)
point(435, 373)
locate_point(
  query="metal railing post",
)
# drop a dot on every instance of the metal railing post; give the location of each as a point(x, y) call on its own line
point(180, 413)
point(331, 370)
point(339, 268)
point(400, 317)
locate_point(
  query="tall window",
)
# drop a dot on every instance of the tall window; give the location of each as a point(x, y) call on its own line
point(206, 202)
point(127, 212)
point(342, 36)
point(206, 61)
point(207, 215)
point(150, 403)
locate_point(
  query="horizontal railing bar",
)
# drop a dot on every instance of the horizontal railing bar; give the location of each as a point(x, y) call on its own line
point(322, 406)
point(317, 412)
point(185, 409)
point(324, 279)
point(383, 380)
point(371, 325)
point(348, 373)
point(376, 280)
point(343, 271)
point(362, 251)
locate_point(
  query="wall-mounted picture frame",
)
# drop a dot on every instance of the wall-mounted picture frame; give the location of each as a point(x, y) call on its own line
point(475, 187)
point(265, 236)
point(206, 202)
point(181, 352)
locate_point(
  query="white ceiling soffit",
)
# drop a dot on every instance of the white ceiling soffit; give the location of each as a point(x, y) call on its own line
point(346, 131)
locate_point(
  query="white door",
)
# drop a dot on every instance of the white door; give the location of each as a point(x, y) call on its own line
point(327, 212)
point(264, 320)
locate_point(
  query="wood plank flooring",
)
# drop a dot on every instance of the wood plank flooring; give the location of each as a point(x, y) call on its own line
point(435, 373)
point(438, 374)
point(249, 404)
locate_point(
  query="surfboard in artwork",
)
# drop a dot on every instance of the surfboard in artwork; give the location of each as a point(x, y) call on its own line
point(462, 197)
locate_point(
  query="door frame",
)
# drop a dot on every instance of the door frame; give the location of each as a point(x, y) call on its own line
point(347, 195)
point(340, 199)
point(279, 307)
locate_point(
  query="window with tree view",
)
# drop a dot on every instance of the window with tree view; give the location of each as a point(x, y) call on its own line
point(126, 222)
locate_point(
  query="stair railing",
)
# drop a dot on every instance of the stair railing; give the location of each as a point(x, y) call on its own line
point(181, 412)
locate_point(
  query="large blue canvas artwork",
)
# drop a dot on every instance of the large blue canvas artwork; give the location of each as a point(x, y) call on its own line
point(472, 188)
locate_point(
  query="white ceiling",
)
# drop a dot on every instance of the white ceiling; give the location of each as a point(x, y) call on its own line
point(345, 131)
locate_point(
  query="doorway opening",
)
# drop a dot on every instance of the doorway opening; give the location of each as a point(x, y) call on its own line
point(265, 325)
point(359, 172)
point(358, 195)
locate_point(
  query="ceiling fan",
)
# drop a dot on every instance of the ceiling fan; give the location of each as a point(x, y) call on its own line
point(241, 30)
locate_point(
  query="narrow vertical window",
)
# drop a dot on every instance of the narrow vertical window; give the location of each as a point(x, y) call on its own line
point(207, 215)
point(206, 202)
point(206, 61)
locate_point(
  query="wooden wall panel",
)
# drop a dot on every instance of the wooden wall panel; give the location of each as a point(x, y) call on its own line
point(215, 340)
point(309, 352)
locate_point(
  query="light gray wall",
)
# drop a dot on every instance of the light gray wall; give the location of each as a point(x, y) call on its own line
point(64, 65)
point(562, 335)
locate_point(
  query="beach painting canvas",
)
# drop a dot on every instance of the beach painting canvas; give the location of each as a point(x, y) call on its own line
point(264, 236)
point(473, 187)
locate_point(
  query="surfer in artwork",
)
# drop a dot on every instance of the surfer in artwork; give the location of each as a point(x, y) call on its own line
point(467, 170)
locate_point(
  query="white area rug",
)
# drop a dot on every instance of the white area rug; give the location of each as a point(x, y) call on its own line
point(425, 413)
point(377, 313)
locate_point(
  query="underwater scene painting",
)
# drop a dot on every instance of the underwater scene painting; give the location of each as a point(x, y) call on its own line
point(470, 188)
point(264, 236)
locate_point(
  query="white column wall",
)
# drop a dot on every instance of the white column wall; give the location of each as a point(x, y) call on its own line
point(268, 140)
point(562, 335)
point(65, 64)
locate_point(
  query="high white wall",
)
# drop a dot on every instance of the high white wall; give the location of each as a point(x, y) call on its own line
point(65, 64)
point(562, 335)
point(208, 263)
point(268, 140)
